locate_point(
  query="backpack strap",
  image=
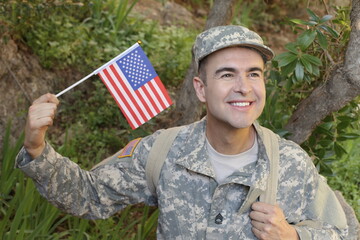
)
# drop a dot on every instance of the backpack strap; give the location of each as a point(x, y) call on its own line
point(271, 142)
point(163, 142)
point(157, 156)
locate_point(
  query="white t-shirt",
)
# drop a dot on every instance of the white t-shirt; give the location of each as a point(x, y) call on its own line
point(225, 165)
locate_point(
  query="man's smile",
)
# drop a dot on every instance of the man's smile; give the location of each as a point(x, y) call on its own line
point(240, 104)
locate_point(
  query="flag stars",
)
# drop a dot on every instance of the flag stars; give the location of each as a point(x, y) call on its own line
point(135, 68)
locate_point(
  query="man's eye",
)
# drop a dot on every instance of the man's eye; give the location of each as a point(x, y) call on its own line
point(226, 75)
point(254, 75)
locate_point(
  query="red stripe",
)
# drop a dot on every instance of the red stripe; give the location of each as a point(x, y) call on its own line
point(152, 102)
point(130, 94)
point(145, 104)
point(137, 121)
point(122, 110)
point(163, 89)
point(157, 96)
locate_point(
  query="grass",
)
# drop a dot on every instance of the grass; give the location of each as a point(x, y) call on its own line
point(24, 214)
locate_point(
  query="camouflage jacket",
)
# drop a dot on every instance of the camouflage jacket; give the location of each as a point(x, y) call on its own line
point(192, 204)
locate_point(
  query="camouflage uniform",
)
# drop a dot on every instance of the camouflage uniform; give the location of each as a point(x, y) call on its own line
point(192, 205)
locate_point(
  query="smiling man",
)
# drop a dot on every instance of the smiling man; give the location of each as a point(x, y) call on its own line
point(216, 171)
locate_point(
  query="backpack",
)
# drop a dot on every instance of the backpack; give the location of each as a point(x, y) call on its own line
point(163, 142)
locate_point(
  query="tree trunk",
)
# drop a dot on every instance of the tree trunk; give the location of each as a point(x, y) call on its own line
point(341, 87)
point(188, 107)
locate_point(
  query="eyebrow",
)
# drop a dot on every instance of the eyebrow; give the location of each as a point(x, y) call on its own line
point(225, 69)
point(230, 69)
point(254, 69)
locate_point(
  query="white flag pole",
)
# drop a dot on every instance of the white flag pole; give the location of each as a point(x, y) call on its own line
point(98, 70)
point(74, 85)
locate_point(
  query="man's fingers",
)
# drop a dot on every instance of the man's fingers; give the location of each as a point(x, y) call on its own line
point(47, 98)
point(263, 207)
point(258, 225)
point(41, 115)
point(258, 216)
point(257, 233)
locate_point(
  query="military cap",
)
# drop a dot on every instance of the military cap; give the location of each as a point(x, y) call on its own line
point(220, 37)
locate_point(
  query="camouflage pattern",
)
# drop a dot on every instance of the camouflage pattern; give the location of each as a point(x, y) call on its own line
point(192, 204)
point(220, 37)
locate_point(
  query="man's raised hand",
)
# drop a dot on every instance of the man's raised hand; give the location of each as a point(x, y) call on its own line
point(40, 116)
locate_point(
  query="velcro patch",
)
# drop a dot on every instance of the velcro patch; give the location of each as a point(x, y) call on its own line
point(128, 150)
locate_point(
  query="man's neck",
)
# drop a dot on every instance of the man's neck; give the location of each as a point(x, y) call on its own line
point(230, 141)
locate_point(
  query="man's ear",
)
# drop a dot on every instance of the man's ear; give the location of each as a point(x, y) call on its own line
point(199, 87)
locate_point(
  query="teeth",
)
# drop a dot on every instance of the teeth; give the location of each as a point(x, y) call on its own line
point(240, 104)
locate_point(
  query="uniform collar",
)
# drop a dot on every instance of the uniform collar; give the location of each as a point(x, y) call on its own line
point(193, 156)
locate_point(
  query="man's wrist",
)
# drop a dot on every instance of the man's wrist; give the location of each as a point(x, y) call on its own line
point(35, 152)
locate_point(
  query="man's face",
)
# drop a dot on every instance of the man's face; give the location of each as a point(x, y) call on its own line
point(235, 88)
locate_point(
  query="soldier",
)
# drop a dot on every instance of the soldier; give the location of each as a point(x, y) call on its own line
point(216, 170)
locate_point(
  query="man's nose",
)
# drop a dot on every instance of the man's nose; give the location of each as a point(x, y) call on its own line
point(242, 85)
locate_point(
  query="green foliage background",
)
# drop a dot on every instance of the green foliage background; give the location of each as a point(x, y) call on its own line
point(86, 34)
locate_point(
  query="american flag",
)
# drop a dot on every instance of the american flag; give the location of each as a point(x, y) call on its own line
point(135, 86)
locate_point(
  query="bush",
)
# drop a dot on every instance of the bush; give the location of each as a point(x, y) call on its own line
point(24, 214)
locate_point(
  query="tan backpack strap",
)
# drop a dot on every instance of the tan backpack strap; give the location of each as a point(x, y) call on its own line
point(271, 142)
point(157, 156)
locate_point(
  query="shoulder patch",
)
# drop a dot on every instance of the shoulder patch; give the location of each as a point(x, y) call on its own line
point(128, 150)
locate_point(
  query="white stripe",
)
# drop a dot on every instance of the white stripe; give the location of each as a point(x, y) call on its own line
point(118, 99)
point(147, 101)
point(124, 94)
point(154, 97)
point(131, 90)
point(161, 94)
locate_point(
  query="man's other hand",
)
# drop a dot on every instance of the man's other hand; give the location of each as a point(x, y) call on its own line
point(269, 223)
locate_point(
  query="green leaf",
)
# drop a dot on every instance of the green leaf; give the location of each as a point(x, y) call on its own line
point(323, 130)
point(330, 30)
point(307, 78)
point(321, 153)
point(339, 150)
point(285, 58)
point(322, 39)
point(306, 38)
point(312, 15)
point(347, 136)
point(326, 18)
point(312, 23)
point(346, 119)
point(299, 71)
point(288, 84)
point(275, 76)
point(327, 125)
point(292, 47)
point(299, 21)
point(316, 71)
point(286, 70)
point(342, 125)
point(326, 143)
point(307, 65)
point(325, 169)
point(312, 59)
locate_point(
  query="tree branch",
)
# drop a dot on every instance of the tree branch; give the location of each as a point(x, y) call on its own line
point(341, 87)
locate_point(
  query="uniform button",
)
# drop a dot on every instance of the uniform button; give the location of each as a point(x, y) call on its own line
point(219, 218)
